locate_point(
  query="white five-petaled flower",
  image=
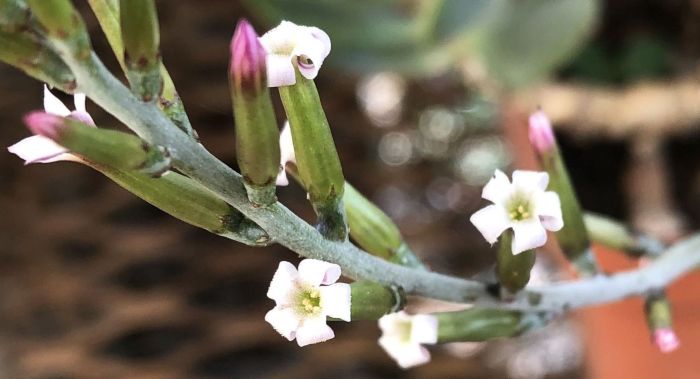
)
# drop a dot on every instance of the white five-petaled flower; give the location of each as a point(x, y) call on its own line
point(289, 43)
point(304, 298)
point(40, 149)
point(403, 336)
point(286, 154)
point(523, 205)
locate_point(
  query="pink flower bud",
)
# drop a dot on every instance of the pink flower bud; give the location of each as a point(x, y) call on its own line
point(44, 124)
point(665, 339)
point(540, 131)
point(247, 70)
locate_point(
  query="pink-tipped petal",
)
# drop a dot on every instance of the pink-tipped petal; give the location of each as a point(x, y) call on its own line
point(83, 117)
point(491, 221)
point(548, 208)
point(284, 321)
point(313, 331)
point(666, 340)
point(529, 234)
point(540, 132)
point(311, 52)
point(247, 68)
point(315, 272)
point(498, 189)
point(530, 181)
point(39, 149)
point(335, 301)
point(54, 105)
point(284, 282)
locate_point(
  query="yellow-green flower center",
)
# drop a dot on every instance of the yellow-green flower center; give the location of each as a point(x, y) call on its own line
point(519, 208)
point(309, 302)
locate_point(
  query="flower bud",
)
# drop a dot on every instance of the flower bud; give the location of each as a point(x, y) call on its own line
point(370, 300)
point(14, 15)
point(63, 23)
point(658, 313)
point(573, 238)
point(257, 147)
point(540, 132)
point(513, 270)
point(141, 39)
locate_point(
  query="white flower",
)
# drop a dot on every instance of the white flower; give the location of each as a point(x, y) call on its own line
point(523, 205)
point(286, 154)
point(304, 299)
point(288, 44)
point(40, 149)
point(403, 334)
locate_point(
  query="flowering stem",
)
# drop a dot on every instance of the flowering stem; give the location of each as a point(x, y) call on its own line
point(286, 228)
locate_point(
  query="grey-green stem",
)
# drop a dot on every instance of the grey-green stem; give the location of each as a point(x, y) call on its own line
point(289, 230)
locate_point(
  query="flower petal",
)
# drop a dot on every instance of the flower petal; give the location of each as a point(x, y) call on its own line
point(498, 189)
point(283, 283)
point(53, 105)
point(280, 70)
point(79, 102)
point(315, 272)
point(284, 320)
point(286, 153)
point(313, 330)
point(335, 301)
point(39, 149)
point(407, 355)
point(530, 181)
point(424, 329)
point(529, 234)
point(312, 48)
point(491, 222)
point(548, 208)
point(391, 324)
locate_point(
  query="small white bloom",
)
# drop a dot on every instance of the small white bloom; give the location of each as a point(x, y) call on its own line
point(304, 299)
point(523, 205)
point(40, 149)
point(289, 43)
point(286, 154)
point(403, 336)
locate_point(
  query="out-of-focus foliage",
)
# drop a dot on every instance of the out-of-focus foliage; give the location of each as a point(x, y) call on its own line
point(519, 41)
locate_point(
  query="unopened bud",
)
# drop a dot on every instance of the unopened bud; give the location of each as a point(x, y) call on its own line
point(659, 318)
point(257, 147)
point(63, 23)
point(540, 132)
point(141, 38)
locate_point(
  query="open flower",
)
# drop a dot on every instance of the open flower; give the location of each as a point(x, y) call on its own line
point(40, 149)
point(304, 298)
point(403, 334)
point(523, 205)
point(290, 44)
point(286, 154)
point(665, 339)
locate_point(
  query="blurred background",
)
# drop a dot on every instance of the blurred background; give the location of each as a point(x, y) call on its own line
point(425, 98)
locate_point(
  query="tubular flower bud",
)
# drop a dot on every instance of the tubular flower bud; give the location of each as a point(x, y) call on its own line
point(257, 148)
point(141, 39)
point(63, 22)
point(573, 238)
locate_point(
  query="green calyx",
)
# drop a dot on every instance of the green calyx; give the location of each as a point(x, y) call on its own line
point(477, 324)
point(141, 41)
point(370, 300)
point(62, 21)
point(513, 271)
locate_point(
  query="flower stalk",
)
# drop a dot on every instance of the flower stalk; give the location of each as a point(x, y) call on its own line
point(141, 40)
point(257, 148)
point(573, 237)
